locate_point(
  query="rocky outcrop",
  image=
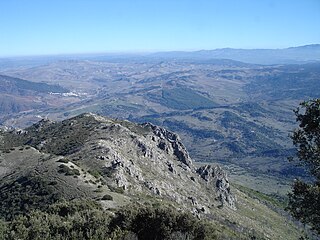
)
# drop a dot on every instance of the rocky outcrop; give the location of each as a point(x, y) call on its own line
point(171, 143)
point(140, 161)
point(43, 123)
point(217, 178)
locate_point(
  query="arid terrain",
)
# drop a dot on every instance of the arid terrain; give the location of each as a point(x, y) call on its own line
point(164, 123)
point(225, 111)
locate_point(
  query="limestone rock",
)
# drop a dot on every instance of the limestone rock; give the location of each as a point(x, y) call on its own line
point(142, 160)
point(217, 177)
point(171, 143)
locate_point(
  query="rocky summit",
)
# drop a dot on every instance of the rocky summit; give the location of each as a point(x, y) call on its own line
point(134, 159)
point(117, 163)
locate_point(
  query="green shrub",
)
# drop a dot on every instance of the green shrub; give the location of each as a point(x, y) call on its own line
point(64, 208)
point(108, 171)
point(25, 194)
point(94, 173)
point(72, 220)
point(162, 223)
point(63, 160)
point(68, 171)
point(85, 219)
point(3, 230)
point(116, 189)
point(107, 197)
point(92, 182)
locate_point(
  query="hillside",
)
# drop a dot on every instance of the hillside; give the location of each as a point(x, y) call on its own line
point(116, 163)
point(10, 85)
point(233, 113)
point(18, 95)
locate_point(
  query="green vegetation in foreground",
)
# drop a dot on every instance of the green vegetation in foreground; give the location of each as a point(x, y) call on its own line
point(84, 219)
point(26, 194)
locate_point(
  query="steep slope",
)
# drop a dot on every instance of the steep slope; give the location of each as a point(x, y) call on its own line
point(118, 162)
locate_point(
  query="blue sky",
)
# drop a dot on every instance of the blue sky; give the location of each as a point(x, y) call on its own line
point(40, 27)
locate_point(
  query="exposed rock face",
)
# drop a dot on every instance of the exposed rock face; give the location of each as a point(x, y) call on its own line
point(216, 177)
point(141, 160)
point(42, 124)
point(171, 143)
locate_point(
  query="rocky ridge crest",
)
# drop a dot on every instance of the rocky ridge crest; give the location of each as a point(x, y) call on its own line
point(130, 160)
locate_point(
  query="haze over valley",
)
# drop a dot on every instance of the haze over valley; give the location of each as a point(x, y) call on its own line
point(235, 113)
point(160, 120)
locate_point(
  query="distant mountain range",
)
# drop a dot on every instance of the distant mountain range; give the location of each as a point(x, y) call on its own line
point(292, 55)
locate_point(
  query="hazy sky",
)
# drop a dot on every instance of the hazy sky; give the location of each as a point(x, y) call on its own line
point(33, 27)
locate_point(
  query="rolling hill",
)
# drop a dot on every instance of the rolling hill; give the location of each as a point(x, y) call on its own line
point(233, 113)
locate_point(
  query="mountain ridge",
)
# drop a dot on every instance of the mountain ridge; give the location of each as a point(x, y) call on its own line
point(116, 162)
point(291, 55)
point(226, 53)
point(74, 137)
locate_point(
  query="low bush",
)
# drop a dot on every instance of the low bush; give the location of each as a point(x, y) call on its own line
point(116, 189)
point(85, 219)
point(95, 173)
point(68, 171)
point(74, 220)
point(3, 230)
point(162, 223)
point(26, 194)
point(63, 160)
point(107, 197)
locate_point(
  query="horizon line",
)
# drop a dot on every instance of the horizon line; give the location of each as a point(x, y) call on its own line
point(138, 52)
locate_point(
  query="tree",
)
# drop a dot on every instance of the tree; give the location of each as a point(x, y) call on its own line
point(304, 200)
